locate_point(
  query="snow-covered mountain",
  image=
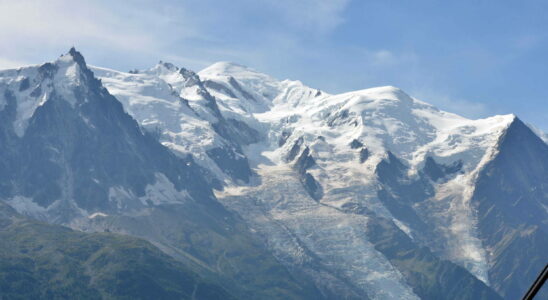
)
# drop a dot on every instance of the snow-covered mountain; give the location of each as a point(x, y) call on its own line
point(367, 194)
point(72, 156)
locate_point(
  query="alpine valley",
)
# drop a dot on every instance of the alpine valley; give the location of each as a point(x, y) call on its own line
point(230, 184)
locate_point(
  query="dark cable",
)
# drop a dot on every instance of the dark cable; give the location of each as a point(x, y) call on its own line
point(533, 290)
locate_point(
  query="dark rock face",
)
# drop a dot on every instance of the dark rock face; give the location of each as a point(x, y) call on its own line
point(399, 194)
point(8, 140)
point(234, 83)
point(48, 70)
point(230, 157)
point(210, 84)
point(78, 151)
point(233, 163)
point(305, 161)
point(355, 144)
point(191, 77)
point(432, 169)
point(339, 118)
point(511, 197)
point(430, 276)
point(25, 84)
point(437, 171)
point(295, 149)
point(364, 152)
point(283, 138)
point(364, 155)
point(311, 185)
point(242, 133)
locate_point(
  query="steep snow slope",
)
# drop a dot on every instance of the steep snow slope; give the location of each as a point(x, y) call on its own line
point(243, 91)
point(158, 107)
point(173, 104)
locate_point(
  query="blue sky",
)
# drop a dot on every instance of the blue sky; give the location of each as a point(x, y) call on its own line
point(475, 58)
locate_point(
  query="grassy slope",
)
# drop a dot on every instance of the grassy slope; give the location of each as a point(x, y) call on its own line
point(42, 261)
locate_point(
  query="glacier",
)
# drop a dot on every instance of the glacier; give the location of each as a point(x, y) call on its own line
point(383, 119)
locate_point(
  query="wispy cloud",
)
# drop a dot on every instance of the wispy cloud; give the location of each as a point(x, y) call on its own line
point(30, 28)
point(56, 21)
point(319, 17)
point(466, 108)
point(384, 58)
point(191, 32)
point(11, 64)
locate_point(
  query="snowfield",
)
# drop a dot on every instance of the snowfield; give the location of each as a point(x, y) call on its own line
point(381, 119)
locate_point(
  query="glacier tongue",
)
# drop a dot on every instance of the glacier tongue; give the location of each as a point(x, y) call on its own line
point(300, 230)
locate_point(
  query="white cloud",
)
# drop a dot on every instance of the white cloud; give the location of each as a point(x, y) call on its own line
point(56, 21)
point(315, 16)
point(189, 32)
point(31, 27)
point(469, 109)
point(11, 64)
point(383, 57)
point(528, 41)
point(539, 132)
